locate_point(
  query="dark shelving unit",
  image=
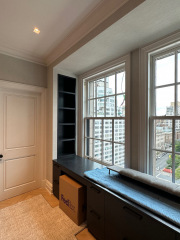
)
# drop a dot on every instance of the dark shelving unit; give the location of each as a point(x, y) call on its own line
point(66, 144)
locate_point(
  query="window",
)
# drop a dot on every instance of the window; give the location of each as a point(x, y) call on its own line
point(106, 117)
point(164, 117)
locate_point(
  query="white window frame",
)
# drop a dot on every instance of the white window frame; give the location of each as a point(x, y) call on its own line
point(110, 67)
point(146, 53)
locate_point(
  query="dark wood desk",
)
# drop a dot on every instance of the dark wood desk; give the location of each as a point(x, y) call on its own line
point(110, 216)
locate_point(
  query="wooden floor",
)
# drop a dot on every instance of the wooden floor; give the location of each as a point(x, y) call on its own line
point(50, 198)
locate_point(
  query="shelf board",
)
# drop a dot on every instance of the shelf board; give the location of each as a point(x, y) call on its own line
point(67, 92)
point(66, 108)
point(66, 124)
point(66, 139)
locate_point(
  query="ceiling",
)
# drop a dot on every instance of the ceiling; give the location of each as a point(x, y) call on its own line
point(149, 21)
point(55, 19)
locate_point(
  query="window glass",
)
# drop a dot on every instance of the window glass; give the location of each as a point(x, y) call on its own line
point(100, 87)
point(105, 122)
point(164, 120)
point(165, 101)
point(110, 85)
point(121, 82)
point(91, 90)
point(107, 130)
point(110, 106)
point(163, 134)
point(119, 131)
point(164, 73)
point(163, 165)
point(97, 150)
point(119, 154)
point(98, 129)
point(100, 107)
point(178, 67)
point(107, 158)
point(120, 110)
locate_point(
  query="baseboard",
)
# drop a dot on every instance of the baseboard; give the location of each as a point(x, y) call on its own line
point(48, 186)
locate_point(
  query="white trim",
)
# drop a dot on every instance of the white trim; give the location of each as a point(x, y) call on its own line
point(155, 47)
point(110, 65)
point(48, 186)
point(20, 86)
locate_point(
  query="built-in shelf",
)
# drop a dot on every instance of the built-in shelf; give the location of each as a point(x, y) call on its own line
point(68, 139)
point(67, 92)
point(66, 108)
point(66, 115)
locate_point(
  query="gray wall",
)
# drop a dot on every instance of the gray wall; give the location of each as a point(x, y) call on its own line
point(21, 71)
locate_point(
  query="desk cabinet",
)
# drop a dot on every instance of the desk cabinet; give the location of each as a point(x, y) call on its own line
point(95, 211)
point(112, 218)
point(123, 221)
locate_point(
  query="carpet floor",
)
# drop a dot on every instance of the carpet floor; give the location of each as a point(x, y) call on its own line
point(35, 219)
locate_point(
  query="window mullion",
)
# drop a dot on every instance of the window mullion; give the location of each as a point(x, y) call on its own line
point(105, 97)
point(175, 73)
point(93, 139)
point(112, 141)
point(173, 151)
point(102, 141)
point(115, 95)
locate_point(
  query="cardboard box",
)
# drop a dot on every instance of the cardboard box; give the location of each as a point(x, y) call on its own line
point(72, 199)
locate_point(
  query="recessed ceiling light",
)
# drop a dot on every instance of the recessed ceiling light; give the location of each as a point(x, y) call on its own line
point(36, 30)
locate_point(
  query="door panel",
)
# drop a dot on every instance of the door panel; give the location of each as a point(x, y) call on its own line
point(20, 168)
point(20, 117)
point(19, 171)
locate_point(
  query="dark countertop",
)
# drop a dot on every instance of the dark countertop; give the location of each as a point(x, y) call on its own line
point(76, 165)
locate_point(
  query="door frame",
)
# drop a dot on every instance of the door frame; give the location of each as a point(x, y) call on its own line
point(8, 85)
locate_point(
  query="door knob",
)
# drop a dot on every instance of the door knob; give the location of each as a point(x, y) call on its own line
point(1, 156)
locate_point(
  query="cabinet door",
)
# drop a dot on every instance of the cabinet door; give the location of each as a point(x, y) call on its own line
point(95, 211)
point(122, 221)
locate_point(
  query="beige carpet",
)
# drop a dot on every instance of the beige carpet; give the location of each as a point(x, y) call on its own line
point(35, 219)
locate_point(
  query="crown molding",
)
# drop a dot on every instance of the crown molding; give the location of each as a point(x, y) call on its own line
point(103, 16)
point(21, 54)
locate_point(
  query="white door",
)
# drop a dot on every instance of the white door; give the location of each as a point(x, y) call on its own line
point(20, 166)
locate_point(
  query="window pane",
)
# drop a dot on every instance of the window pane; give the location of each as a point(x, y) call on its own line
point(162, 165)
point(121, 82)
point(100, 107)
point(119, 154)
point(165, 101)
point(120, 105)
point(163, 134)
point(91, 89)
point(89, 147)
point(89, 128)
point(98, 129)
point(98, 149)
point(110, 85)
point(119, 130)
point(110, 106)
point(177, 169)
point(107, 129)
point(178, 101)
point(165, 70)
point(100, 87)
point(107, 152)
point(178, 67)
point(92, 108)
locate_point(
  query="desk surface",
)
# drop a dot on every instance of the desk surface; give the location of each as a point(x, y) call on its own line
point(78, 165)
